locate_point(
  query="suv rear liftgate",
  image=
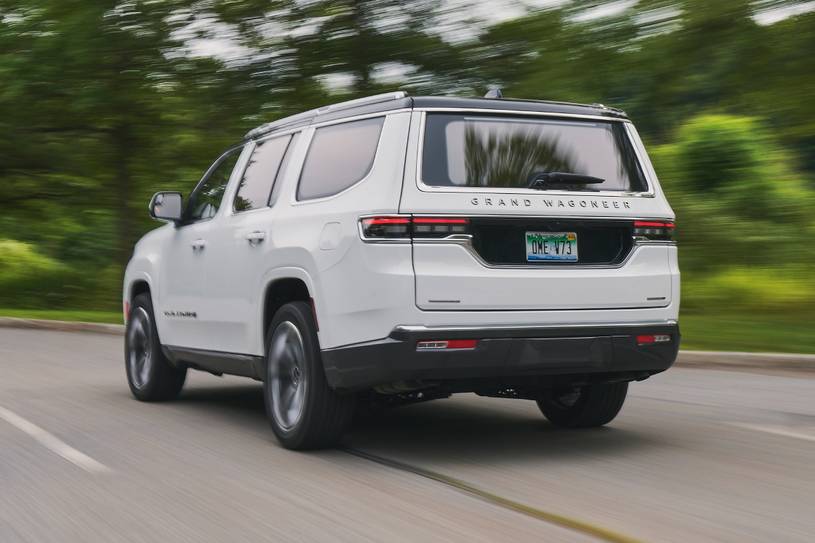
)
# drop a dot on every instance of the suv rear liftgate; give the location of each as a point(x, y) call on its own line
point(549, 215)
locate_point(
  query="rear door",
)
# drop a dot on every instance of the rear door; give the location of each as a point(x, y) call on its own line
point(578, 240)
point(243, 248)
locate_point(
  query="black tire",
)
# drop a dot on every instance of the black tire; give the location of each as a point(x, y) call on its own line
point(155, 379)
point(584, 407)
point(321, 415)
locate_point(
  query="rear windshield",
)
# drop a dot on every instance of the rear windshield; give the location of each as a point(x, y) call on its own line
point(511, 152)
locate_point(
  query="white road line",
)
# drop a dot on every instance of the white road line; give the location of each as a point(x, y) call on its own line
point(53, 443)
point(775, 430)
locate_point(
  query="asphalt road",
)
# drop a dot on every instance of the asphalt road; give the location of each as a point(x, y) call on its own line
point(695, 455)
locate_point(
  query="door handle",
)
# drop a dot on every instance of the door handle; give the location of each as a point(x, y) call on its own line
point(255, 237)
point(199, 245)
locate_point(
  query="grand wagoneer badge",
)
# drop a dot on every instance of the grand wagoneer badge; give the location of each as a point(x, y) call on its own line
point(579, 203)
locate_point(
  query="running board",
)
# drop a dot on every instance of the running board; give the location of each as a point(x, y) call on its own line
point(216, 362)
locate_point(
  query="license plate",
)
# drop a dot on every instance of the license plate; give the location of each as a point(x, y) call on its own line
point(551, 246)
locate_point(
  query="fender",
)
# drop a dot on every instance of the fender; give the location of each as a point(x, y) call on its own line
point(295, 272)
point(143, 266)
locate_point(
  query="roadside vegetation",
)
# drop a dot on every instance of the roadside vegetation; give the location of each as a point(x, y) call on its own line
point(106, 317)
point(120, 104)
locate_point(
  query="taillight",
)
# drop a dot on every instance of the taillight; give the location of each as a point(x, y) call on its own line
point(400, 227)
point(439, 227)
point(654, 230)
point(385, 227)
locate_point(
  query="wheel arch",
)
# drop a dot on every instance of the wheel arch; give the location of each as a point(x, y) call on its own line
point(136, 283)
point(289, 285)
point(139, 286)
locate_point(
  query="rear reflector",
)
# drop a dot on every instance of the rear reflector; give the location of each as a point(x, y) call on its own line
point(651, 339)
point(654, 230)
point(446, 344)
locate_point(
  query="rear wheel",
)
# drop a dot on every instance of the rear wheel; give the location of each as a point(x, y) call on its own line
point(150, 375)
point(584, 407)
point(304, 412)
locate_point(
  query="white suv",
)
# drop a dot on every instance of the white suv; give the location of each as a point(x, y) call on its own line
point(395, 249)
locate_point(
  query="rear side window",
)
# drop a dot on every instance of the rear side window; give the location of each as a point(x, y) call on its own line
point(511, 152)
point(260, 174)
point(340, 155)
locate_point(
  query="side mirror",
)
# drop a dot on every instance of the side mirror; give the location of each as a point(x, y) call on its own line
point(166, 206)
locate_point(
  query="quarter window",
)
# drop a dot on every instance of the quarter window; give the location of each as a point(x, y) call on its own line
point(260, 174)
point(206, 199)
point(340, 155)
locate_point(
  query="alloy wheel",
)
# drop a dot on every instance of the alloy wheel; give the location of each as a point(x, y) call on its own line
point(287, 375)
point(139, 356)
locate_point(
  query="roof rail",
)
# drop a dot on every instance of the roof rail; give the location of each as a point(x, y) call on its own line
point(285, 121)
point(310, 114)
point(368, 100)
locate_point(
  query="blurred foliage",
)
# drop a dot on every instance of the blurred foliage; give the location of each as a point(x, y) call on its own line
point(781, 290)
point(102, 103)
point(737, 198)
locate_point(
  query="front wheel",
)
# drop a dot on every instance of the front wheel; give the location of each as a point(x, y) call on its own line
point(304, 412)
point(150, 375)
point(584, 407)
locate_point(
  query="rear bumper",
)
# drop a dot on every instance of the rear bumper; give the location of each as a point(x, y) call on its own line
point(501, 352)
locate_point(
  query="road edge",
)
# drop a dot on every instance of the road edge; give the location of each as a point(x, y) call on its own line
point(746, 361)
point(62, 326)
point(693, 359)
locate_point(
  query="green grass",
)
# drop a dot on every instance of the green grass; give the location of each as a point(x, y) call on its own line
point(708, 332)
point(748, 332)
point(114, 317)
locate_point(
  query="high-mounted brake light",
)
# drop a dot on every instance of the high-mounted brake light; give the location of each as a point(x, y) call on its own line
point(400, 227)
point(654, 230)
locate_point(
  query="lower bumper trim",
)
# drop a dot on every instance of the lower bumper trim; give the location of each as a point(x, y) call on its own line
point(501, 353)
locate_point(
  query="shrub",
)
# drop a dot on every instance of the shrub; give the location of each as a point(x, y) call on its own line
point(737, 199)
point(28, 278)
point(786, 289)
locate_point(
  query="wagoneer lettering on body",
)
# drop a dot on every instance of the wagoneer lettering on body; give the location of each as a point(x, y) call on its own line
point(394, 249)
